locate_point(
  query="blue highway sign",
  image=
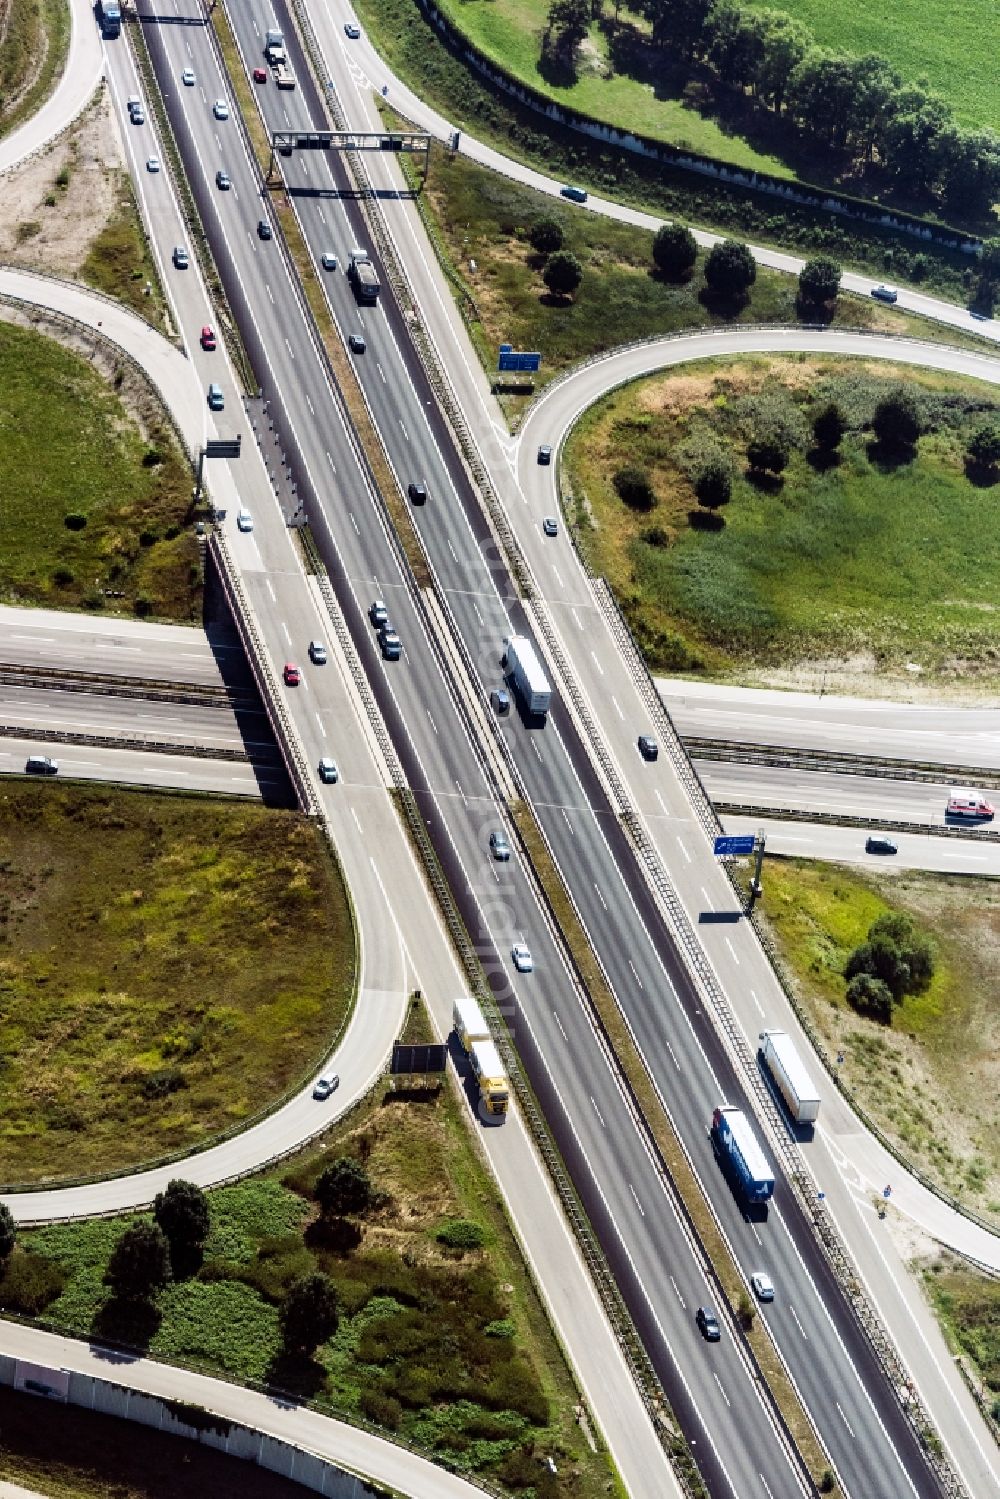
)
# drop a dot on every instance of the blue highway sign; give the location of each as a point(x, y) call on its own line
point(743, 843)
point(512, 359)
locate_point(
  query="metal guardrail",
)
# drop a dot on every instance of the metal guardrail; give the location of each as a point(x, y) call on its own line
point(106, 684)
point(840, 762)
point(122, 742)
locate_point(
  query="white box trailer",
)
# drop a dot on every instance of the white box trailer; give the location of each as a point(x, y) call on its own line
point(527, 674)
point(469, 1022)
point(789, 1072)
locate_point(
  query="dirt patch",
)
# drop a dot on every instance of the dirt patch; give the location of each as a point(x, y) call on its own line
point(57, 203)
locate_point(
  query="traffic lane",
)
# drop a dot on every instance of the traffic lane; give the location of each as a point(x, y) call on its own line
point(143, 768)
point(836, 794)
point(39, 638)
point(206, 725)
point(934, 732)
point(839, 845)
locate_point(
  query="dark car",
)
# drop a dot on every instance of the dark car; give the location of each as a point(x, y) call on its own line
point(648, 747)
point(417, 493)
point(223, 181)
point(356, 343)
point(709, 1324)
point(263, 229)
point(884, 294)
point(577, 194)
point(500, 699)
point(545, 453)
point(41, 765)
point(877, 843)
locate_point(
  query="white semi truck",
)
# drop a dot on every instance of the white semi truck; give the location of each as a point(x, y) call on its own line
point(522, 665)
point(791, 1078)
point(484, 1059)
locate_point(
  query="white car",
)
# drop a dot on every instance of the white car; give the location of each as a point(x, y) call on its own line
point(152, 163)
point(244, 520)
point(523, 961)
point(352, 29)
point(187, 77)
point(329, 260)
point(220, 109)
point(763, 1288)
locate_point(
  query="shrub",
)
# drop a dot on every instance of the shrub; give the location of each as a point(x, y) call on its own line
point(8, 1232)
point(896, 421)
point(343, 1187)
point(139, 1263)
point(634, 488)
point(769, 450)
point(730, 269)
point(983, 450)
point(870, 996)
point(714, 484)
point(143, 605)
point(182, 1213)
point(819, 280)
point(655, 536)
point(148, 538)
point(546, 235)
point(914, 948)
point(460, 1233)
point(674, 250)
point(62, 177)
point(309, 1315)
point(383, 1409)
point(29, 1283)
point(63, 577)
point(152, 458)
point(162, 1082)
point(74, 520)
point(562, 274)
point(829, 425)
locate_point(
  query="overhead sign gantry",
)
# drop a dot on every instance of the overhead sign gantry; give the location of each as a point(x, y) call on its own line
point(411, 142)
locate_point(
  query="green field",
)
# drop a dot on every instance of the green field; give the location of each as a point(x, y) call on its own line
point(866, 558)
point(447, 1348)
point(930, 1080)
point(968, 1303)
point(952, 45)
point(168, 967)
point(88, 504)
point(120, 262)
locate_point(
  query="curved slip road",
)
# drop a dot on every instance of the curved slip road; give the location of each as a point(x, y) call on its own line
point(78, 80)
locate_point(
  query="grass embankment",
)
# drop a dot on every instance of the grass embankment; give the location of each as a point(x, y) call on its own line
point(119, 262)
point(930, 1081)
point(968, 1304)
point(867, 557)
point(70, 454)
point(68, 1453)
point(448, 1347)
point(478, 215)
point(510, 32)
point(416, 53)
point(947, 44)
point(168, 965)
point(34, 49)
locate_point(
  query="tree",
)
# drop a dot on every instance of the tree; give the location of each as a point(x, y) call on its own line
point(674, 250)
point(182, 1213)
point(730, 269)
point(769, 450)
point(562, 274)
point(714, 483)
point(546, 235)
point(989, 259)
point(634, 488)
point(343, 1187)
point(829, 426)
point(915, 949)
point(309, 1315)
point(870, 996)
point(8, 1233)
point(983, 450)
point(819, 279)
point(896, 422)
point(569, 21)
point(139, 1263)
point(681, 23)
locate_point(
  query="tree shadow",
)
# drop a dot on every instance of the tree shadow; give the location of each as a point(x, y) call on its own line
point(816, 314)
point(555, 299)
point(822, 460)
point(706, 520)
point(888, 457)
point(725, 305)
point(764, 482)
point(338, 1235)
point(295, 1375)
point(671, 278)
point(134, 1323)
point(981, 475)
point(556, 68)
point(186, 1260)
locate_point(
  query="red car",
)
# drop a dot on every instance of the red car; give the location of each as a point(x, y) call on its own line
point(291, 675)
point(208, 338)
point(260, 75)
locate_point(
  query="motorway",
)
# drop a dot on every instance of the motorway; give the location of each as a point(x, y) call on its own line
point(404, 607)
point(401, 947)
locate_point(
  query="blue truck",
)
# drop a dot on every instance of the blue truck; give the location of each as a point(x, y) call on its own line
point(109, 14)
point(737, 1143)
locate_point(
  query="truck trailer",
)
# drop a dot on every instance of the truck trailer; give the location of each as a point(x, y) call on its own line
point(790, 1076)
point(525, 671)
point(363, 277)
point(474, 1037)
point(110, 16)
point(283, 75)
point(737, 1143)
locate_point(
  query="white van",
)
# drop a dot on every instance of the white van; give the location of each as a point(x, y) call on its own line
point(965, 803)
point(328, 1083)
